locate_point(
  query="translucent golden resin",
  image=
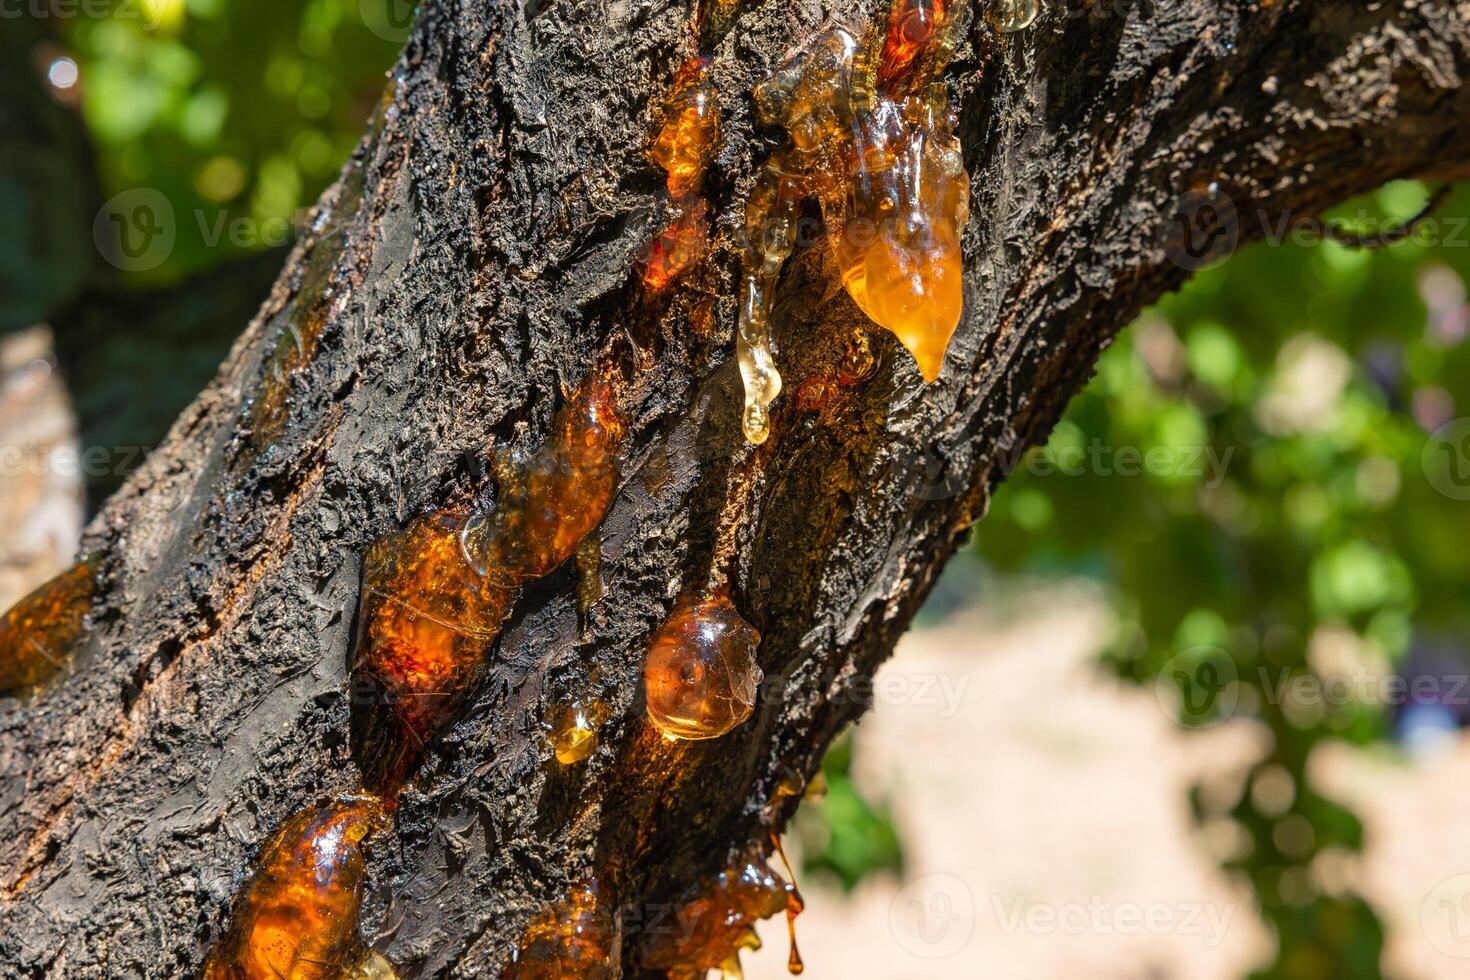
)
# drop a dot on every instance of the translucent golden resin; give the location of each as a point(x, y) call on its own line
point(700, 676)
point(372, 966)
point(295, 349)
point(38, 633)
point(690, 129)
point(425, 623)
point(435, 594)
point(549, 502)
point(771, 234)
point(911, 28)
point(297, 918)
point(795, 905)
point(679, 247)
point(895, 224)
point(574, 732)
point(572, 940)
point(1008, 16)
point(871, 135)
point(716, 923)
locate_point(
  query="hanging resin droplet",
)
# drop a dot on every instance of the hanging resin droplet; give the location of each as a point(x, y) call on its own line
point(549, 502)
point(425, 624)
point(38, 633)
point(808, 97)
point(690, 129)
point(716, 922)
point(870, 135)
point(895, 226)
point(574, 732)
point(770, 236)
point(1009, 16)
point(571, 940)
point(795, 905)
point(297, 918)
point(700, 677)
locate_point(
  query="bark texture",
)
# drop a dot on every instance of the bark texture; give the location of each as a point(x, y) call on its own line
point(475, 256)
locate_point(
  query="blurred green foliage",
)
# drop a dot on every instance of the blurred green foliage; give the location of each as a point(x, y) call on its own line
point(238, 113)
point(1252, 475)
point(844, 834)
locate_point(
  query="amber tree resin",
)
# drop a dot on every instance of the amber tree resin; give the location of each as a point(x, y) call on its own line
point(435, 594)
point(682, 147)
point(716, 921)
point(425, 623)
point(870, 133)
point(297, 917)
point(550, 501)
point(571, 940)
point(700, 676)
point(38, 633)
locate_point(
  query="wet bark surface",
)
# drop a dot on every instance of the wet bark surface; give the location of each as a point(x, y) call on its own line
point(477, 255)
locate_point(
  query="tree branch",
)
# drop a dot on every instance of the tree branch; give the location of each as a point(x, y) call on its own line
point(476, 254)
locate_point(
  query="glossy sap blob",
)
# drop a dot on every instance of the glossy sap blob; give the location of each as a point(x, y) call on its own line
point(912, 25)
point(716, 923)
point(895, 224)
point(297, 919)
point(700, 677)
point(574, 729)
point(550, 501)
point(38, 633)
point(435, 594)
point(690, 129)
point(809, 98)
point(870, 134)
point(1008, 16)
point(425, 623)
point(679, 247)
point(572, 940)
point(895, 220)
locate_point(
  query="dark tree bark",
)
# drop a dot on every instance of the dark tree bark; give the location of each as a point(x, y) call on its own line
point(132, 358)
point(477, 253)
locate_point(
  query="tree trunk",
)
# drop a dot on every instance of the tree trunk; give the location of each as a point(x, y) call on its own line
point(478, 252)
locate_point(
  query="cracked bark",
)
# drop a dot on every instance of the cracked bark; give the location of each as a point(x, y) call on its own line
point(475, 255)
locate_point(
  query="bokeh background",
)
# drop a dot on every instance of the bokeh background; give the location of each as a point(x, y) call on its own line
point(1190, 704)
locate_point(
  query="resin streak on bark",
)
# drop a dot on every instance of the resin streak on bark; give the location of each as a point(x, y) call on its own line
point(573, 939)
point(434, 596)
point(38, 633)
point(297, 918)
point(716, 922)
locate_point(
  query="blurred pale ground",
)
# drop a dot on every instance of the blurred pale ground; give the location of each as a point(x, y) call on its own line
point(1041, 802)
point(40, 476)
point(1047, 829)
